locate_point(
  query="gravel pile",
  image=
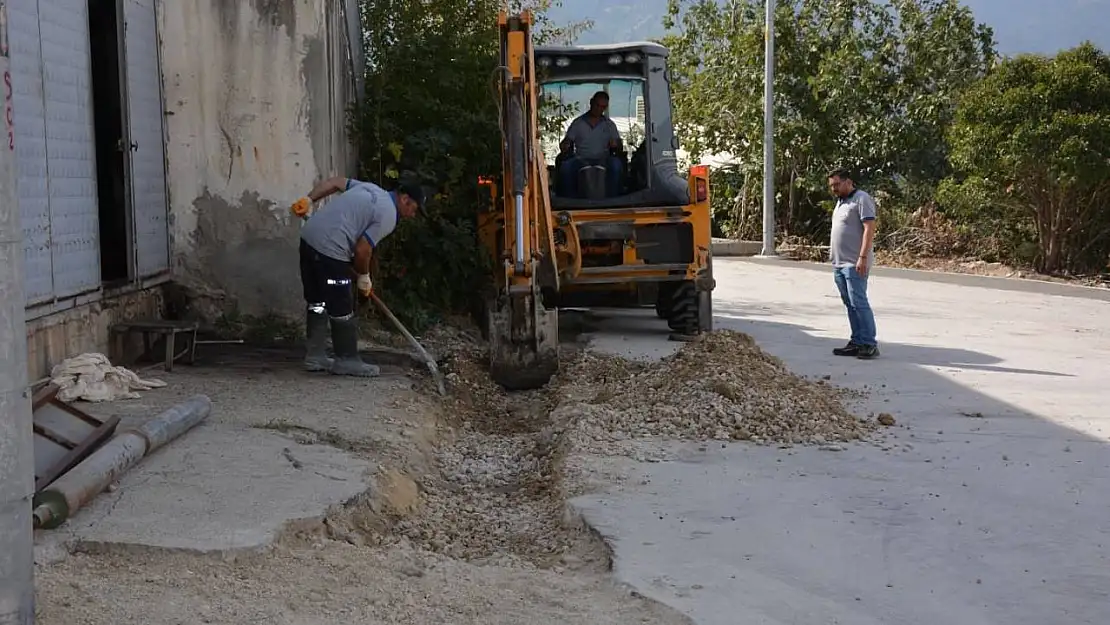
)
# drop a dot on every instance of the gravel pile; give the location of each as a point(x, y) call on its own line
point(723, 387)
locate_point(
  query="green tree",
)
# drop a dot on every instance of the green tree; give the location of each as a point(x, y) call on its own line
point(859, 83)
point(429, 112)
point(1031, 144)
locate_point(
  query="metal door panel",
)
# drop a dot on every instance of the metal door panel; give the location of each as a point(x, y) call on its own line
point(29, 123)
point(70, 148)
point(145, 119)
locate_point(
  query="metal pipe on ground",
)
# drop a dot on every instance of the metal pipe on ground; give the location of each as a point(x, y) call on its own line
point(88, 479)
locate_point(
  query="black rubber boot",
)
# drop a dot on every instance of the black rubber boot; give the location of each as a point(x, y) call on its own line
point(316, 342)
point(344, 339)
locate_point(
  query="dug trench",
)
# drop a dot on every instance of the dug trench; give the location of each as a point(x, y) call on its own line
point(506, 463)
point(494, 492)
point(466, 519)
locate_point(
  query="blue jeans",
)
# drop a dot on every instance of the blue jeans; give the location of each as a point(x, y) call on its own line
point(853, 292)
point(568, 175)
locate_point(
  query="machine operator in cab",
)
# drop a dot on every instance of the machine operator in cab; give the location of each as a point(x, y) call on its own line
point(591, 137)
point(336, 246)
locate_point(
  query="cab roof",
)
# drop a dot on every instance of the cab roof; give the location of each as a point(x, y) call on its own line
point(644, 47)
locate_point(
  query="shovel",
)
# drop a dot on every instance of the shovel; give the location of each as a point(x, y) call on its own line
point(428, 360)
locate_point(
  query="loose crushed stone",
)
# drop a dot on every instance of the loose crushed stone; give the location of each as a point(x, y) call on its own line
point(491, 495)
point(723, 387)
point(499, 491)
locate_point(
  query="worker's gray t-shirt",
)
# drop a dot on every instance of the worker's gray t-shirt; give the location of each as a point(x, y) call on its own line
point(363, 209)
point(592, 142)
point(847, 229)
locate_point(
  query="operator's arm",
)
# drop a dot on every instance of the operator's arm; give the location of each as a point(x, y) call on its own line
point(324, 188)
point(568, 139)
point(615, 139)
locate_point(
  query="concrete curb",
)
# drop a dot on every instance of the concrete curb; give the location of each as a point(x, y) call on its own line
point(735, 247)
point(1020, 285)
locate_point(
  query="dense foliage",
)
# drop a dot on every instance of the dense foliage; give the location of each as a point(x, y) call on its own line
point(968, 154)
point(1031, 144)
point(430, 112)
point(860, 84)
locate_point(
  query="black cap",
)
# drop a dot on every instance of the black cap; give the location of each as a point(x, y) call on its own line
point(413, 189)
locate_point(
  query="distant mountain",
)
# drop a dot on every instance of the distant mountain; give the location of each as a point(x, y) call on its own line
point(1044, 26)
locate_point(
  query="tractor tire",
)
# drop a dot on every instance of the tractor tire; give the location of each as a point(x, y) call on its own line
point(683, 317)
point(664, 300)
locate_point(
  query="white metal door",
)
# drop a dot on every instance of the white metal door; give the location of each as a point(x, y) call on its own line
point(70, 147)
point(145, 118)
point(29, 125)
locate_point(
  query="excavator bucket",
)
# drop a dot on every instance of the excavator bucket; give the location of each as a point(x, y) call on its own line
point(523, 342)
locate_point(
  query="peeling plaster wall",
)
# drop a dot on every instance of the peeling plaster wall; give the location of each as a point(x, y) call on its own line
point(256, 99)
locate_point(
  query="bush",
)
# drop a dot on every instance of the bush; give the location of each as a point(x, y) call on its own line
point(430, 111)
point(1031, 146)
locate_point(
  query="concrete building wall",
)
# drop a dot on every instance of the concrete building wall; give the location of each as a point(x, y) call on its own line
point(85, 328)
point(256, 95)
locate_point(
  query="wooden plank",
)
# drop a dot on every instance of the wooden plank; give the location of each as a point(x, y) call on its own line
point(63, 435)
point(160, 326)
point(77, 454)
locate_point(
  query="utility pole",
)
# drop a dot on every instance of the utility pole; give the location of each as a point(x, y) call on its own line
point(17, 587)
point(769, 133)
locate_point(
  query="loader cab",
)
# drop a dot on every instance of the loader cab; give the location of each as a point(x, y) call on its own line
point(642, 170)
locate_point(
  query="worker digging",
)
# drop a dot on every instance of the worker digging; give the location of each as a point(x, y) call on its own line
point(337, 244)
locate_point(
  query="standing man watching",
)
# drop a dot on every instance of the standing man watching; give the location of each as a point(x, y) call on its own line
point(336, 246)
point(852, 255)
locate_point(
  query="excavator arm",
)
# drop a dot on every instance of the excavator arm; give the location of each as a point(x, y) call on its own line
point(523, 333)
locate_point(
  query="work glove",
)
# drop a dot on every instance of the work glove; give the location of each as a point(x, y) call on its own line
point(301, 207)
point(365, 286)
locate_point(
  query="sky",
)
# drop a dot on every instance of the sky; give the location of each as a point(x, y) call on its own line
point(1042, 26)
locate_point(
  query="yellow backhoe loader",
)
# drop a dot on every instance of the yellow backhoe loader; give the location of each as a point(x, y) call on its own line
point(620, 232)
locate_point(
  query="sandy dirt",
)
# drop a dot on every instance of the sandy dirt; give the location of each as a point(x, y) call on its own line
point(465, 519)
point(463, 522)
point(327, 582)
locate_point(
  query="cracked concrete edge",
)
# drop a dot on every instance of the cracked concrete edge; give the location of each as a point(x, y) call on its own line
point(59, 546)
point(576, 518)
point(54, 547)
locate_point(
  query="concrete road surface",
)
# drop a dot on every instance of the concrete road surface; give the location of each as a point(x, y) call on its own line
point(994, 507)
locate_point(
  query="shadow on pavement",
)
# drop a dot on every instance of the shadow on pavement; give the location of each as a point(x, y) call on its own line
point(901, 352)
point(1016, 285)
point(974, 511)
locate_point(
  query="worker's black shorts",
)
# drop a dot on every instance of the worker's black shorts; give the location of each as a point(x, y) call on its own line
point(327, 282)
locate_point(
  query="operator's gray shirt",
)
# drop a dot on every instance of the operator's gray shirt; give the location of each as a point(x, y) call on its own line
point(847, 229)
point(592, 142)
point(363, 209)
